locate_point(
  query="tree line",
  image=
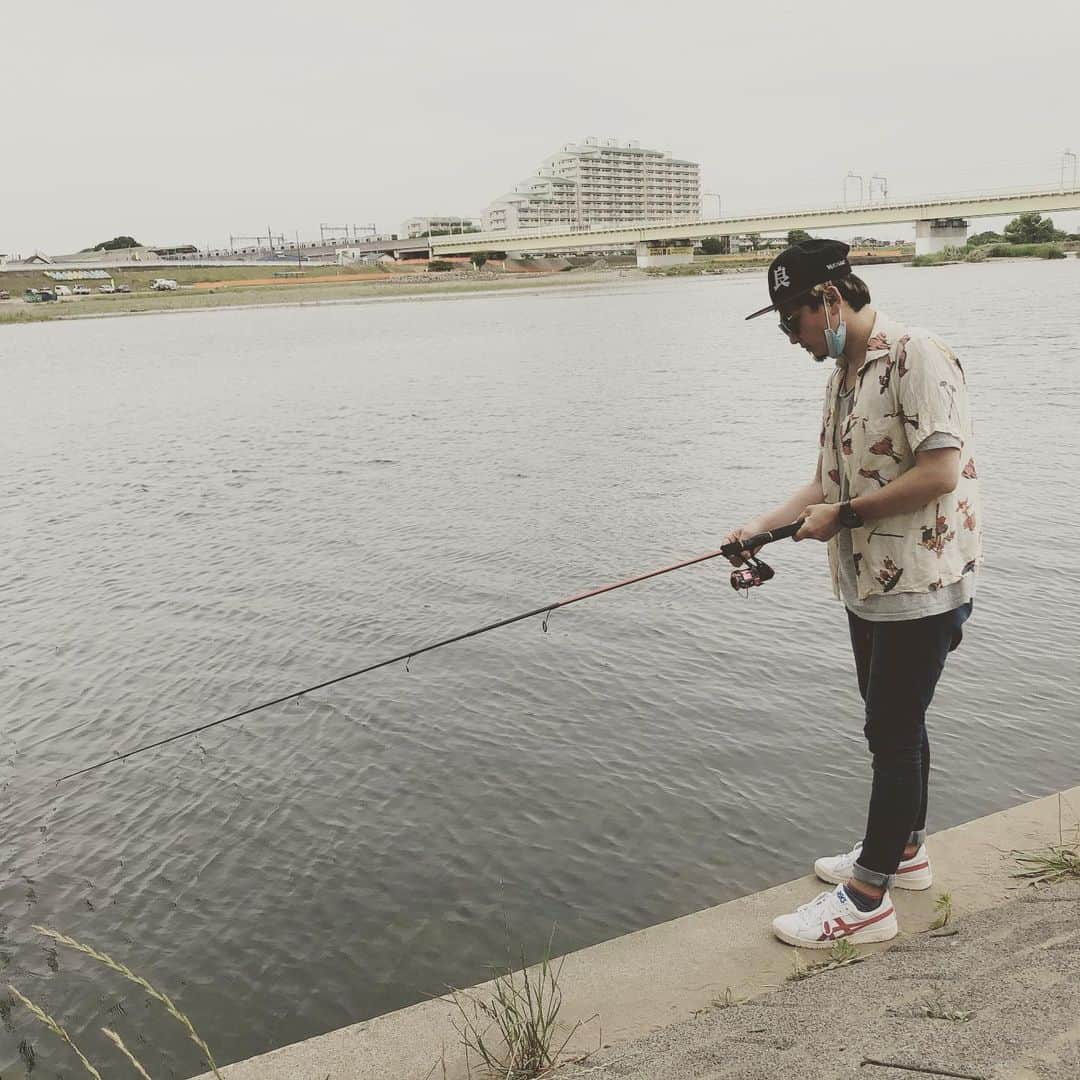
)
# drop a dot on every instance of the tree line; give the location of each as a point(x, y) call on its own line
point(1029, 227)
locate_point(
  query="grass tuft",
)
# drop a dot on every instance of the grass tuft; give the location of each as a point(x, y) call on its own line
point(727, 1000)
point(1057, 862)
point(842, 954)
point(511, 1028)
point(944, 905)
point(55, 1028)
point(119, 1043)
point(935, 1008)
point(138, 980)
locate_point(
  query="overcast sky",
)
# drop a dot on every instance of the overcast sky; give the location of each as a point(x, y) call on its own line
point(185, 122)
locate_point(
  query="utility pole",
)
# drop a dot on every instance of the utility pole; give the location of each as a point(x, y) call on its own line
point(1067, 153)
point(714, 195)
point(299, 262)
point(883, 184)
point(853, 176)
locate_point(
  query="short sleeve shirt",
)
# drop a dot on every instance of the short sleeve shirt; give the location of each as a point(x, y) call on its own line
point(909, 387)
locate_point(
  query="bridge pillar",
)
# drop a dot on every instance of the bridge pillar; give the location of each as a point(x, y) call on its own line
point(939, 233)
point(665, 253)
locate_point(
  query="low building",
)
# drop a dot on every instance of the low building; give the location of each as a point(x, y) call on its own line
point(351, 256)
point(434, 225)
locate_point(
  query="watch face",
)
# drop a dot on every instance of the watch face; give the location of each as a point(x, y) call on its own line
point(849, 517)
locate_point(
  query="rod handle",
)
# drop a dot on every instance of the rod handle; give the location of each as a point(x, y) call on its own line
point(736, 547)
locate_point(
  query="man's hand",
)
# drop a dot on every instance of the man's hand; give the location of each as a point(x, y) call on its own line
point(819, 522)
point(751, 528)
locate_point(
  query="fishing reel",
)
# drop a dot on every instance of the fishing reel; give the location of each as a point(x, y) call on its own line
point(754, 573)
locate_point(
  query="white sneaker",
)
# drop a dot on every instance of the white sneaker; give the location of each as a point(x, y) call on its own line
point(831, 916)
point(913, 873)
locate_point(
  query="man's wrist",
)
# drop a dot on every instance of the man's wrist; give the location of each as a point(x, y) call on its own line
point(848, 516)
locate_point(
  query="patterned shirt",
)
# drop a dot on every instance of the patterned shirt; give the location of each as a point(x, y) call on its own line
point(910, 386)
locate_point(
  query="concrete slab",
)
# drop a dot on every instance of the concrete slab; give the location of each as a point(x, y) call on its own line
point(644, 982)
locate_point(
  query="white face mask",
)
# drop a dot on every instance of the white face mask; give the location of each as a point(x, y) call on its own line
point(834, 339)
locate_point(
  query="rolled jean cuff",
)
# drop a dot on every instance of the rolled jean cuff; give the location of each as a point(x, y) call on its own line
point(872, 877)
point(918, 838)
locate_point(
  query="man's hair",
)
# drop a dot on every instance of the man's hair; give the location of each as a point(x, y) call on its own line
point(853, 289)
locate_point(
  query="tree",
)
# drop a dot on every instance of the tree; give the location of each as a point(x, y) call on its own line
point(797, 236)
point(478, 258)
point(115, 244)
point(1031, 228)
point(988, 237)
point(755, 240)
point(714, 245)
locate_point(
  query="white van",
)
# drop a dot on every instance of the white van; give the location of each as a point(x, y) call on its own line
point(163, 284)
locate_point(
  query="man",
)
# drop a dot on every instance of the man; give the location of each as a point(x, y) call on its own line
point(895, 496)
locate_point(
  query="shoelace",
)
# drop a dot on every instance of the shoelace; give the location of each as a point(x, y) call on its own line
point(816, 902)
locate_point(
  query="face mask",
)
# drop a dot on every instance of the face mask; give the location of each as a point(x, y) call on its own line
point(835, 339)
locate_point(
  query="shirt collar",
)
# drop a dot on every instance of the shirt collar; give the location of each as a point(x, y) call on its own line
point(883, 337)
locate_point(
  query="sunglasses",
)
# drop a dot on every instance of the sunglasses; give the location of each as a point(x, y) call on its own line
point(789, 324)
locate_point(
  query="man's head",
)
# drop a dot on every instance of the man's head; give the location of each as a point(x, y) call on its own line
point(813, 290)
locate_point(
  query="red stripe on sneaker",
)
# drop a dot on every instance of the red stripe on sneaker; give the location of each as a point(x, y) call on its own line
point(840, 928)
point(917, 866)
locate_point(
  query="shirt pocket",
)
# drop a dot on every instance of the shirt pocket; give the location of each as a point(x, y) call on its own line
point(880, 453)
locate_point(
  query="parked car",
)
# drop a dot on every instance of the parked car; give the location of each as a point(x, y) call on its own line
point(61, 290)
point(108, 287)
point(81, 290)
point(123, 288)
point(4, 294)
point(38, 296)
point(162, 284)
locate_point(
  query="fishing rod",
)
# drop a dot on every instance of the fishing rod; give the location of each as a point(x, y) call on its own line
point(752, 573)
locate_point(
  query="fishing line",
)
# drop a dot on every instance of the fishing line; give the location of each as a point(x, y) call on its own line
point(739, 580)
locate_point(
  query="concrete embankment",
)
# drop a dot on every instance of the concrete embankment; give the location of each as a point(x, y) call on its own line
point(999, 999)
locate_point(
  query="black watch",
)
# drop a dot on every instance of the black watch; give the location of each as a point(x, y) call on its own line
point(849, 516)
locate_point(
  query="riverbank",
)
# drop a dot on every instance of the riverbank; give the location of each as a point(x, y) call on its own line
point(238, 288)
point(759, 261)
point(709, 995)
point(245, 294)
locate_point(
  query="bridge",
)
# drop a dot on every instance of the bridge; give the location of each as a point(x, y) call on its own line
point(939, 222)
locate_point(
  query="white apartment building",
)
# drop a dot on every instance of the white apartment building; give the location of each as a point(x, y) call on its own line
point(418, 226)
point(600, 183)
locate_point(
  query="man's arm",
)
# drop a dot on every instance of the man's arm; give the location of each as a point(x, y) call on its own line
point(935, 473)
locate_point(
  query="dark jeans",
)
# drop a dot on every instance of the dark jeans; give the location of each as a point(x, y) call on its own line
point(898, 664)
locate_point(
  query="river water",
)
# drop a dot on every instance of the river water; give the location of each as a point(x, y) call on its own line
point(205, 510)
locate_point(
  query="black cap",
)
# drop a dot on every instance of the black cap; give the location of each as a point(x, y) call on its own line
point(797, 269)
